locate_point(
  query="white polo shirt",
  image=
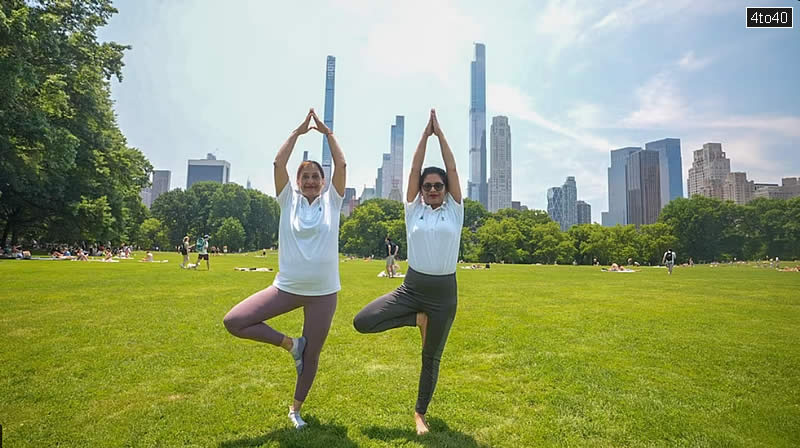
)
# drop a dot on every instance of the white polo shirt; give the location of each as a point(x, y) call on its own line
point(434, 236)
point(308, 243)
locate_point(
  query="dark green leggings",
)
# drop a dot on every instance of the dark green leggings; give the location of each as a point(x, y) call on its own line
point(434, 295)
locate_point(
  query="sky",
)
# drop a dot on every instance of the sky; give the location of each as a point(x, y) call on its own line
point(575, 78)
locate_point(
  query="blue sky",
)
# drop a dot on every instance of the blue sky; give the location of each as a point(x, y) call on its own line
point(576, 79)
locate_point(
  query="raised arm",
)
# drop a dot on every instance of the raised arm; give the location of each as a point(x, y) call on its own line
point(339, 165)
point(280, 174)
point(453, 184)
point(416, 164)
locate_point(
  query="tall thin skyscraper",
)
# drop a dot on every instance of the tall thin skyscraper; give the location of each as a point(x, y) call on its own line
point(570, 192)
point(386, 175)
point(379, 183)
point(396, 152)
point(669, 161)
point(555, 206)
point(617, 191)
point(477, 189)
point(643, 185)
point(500, 180)
point(305, 156)
point(330, 81)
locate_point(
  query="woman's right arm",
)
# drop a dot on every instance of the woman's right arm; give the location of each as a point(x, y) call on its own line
point(280, 174)
point(416, 164)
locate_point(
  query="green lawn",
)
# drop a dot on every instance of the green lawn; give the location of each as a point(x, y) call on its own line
point(135, 354)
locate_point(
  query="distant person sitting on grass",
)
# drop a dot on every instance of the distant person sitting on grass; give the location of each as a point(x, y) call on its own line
point(107, 255)
point(148, 258)
point(308, 261)
point(81, 256)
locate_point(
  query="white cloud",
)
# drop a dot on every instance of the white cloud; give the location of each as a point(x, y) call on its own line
point(586, 115)
point(508, 100)
point(418, 37)
point(691, 63)
point(660, 104)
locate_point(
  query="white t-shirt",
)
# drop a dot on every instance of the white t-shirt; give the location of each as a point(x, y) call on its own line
point(434, 236)
point(308, 243)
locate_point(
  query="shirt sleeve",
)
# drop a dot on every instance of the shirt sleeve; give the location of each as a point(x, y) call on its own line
point(335, 198)
point(411, 209)
point(285, 196)
point(458, 209)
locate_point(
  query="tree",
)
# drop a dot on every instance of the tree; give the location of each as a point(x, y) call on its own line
point(231, 234)
point(65, 169)
point(175, 209)
point(474, 214)
point(261, 226)
point(152, 234)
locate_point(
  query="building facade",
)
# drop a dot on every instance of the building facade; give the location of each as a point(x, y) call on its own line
point(330, 84)
point(617, 191)
point(709, 171)
point(500, 180)
point(643, 187)
point(584, 213)
point(477, 188)
point(670, 166)
point(208, 169)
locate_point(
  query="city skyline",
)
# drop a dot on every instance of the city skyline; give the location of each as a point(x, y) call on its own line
point(583, 80)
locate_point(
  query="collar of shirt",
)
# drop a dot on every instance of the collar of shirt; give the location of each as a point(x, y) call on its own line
point(304, 199)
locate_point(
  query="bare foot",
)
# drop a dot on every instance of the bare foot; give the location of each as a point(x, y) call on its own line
point(422, 425)
point(422, 323)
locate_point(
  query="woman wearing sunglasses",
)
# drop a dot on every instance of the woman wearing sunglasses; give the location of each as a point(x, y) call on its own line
point(428, 296)
point(308, 258)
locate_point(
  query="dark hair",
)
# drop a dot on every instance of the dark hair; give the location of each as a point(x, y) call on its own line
point(433, 170)
point(306, 163)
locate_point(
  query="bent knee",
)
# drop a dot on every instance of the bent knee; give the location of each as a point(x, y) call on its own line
point(231, 324)
point(360, 324)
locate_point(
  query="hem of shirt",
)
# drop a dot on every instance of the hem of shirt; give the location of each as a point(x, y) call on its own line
point(430, 273)
point(306, 293)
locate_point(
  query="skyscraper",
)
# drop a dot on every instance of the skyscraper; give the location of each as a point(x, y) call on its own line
point(208, 169)
point(477, 189)
point(570, 193)
point(500, 180)
point(330, 81)
point(379, 183)
point(161, 182)
point(555, 206)
point(386, 175)
point(669, 161)
point(709, 171)
point(305, 156)
point(396, 152)
point(738, 189)
point(617, 192)
point(584, 213)
point(643, 186)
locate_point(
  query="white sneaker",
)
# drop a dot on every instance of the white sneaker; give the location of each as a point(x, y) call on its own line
point(296, 420)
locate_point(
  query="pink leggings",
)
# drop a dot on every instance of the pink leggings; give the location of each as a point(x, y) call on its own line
point(246, 320)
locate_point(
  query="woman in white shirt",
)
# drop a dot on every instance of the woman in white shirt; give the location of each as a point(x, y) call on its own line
point(308, 261)
point(428, 296)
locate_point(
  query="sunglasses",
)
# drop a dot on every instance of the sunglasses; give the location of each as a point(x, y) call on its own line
point(438, 186)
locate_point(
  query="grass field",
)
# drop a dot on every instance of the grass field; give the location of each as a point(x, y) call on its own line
point(135, 354)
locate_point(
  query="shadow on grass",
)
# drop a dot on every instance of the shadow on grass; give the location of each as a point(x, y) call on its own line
point(315, 434)
point(440, 436)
